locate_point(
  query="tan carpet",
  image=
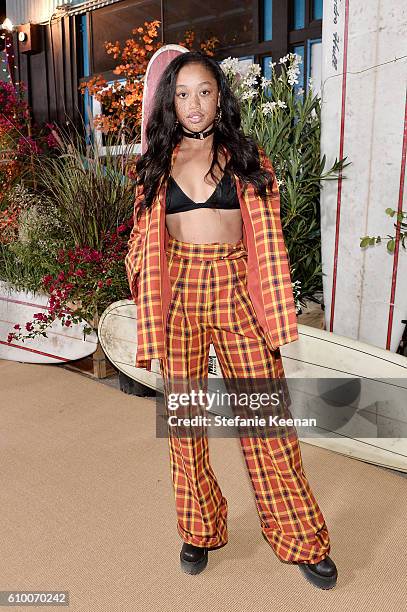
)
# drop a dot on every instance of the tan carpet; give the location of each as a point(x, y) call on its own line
point(87, 506)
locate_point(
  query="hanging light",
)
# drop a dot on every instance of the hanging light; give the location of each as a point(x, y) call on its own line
point(7, 25)
point(6, 28)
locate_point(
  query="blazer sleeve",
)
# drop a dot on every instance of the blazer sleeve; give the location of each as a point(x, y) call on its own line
point(273, 196)
point(273, 191)
point(133, 259)
point(278, 294)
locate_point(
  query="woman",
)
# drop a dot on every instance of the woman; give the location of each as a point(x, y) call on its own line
point(207, 194)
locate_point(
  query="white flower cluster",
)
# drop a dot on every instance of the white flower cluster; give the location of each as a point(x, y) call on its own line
point(249, 94)
point(230, 66)
point(254, 69)
point(268, 107)
point(265, 82)
point(250, 81)
point(294, 60)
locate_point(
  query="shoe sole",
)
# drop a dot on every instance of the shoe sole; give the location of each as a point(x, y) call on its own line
point(194, 567)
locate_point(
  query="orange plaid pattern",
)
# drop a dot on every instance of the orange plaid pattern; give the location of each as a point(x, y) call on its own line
point(269, 281)
point(210, 303)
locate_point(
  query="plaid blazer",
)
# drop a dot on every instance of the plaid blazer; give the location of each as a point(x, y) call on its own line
point(268, 272)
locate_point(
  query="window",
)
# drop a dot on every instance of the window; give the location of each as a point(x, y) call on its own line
point(305, 11)
point(267, 20)
point(245, 63)
point(231, 21)
point(115, 22)
point(314, 53)
point(311, 55)
point(251, 31)
point(266, 66)
point(298, 14)
point(317, 6)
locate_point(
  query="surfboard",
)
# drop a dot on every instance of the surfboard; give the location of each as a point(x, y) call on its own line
point(156, 66)
point(63, 344)
point(371, 381)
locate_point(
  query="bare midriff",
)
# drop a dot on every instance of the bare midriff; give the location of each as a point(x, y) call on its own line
point(205, 225)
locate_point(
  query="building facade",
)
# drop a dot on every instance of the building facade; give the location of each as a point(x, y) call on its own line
point(73, 33)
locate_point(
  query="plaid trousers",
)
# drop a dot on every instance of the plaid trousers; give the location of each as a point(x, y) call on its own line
point(210, 303)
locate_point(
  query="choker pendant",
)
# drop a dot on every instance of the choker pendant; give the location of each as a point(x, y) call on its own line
point(200, 135)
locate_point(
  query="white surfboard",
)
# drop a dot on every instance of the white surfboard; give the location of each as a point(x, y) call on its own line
point(156, 66)
point(375, 396)
point(62, 344)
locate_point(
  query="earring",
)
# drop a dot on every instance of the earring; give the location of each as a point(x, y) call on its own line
point(176, 124)
point(218, 115)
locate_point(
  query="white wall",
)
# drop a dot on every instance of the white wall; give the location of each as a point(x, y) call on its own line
point(39, 11)
point(365, 113)
point(34, 11)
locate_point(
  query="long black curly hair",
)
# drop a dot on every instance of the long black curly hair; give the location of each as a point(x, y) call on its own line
point(163, 134)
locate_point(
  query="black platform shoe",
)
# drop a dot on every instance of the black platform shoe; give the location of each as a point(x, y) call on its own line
point(194, 559)
point(322, 574)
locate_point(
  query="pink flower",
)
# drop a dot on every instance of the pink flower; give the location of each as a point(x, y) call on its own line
point(47, 279)
point(109, 282)
point(17, 326)
point(29, 326)
point(26, 144)
point(100, 283)
point(68, 323)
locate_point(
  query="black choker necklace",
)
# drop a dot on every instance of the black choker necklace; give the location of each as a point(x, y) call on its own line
point(200, 135)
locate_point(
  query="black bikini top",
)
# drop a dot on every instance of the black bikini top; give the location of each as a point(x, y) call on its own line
point(225, 196)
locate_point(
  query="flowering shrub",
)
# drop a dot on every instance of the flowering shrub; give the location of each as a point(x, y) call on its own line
point(18, 143)
point(9, 223)
point(122, 102)
point(88, 281)
point(68, 236)
point(13, 116)
point(285, 121)
point(14, 110)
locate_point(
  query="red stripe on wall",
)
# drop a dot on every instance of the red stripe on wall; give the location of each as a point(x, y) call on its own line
point(341, 149)
point(397, 241)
